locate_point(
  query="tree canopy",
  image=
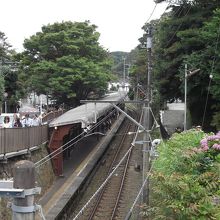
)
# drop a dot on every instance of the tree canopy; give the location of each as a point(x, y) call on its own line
point(8, 74)
point(66, 62)
point(188, 34)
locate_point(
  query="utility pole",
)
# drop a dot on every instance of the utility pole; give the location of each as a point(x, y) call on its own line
point(185, 98)
point(146, 119)
point(124, 71)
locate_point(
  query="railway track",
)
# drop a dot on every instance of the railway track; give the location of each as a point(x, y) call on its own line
point(109, 197)
point(114, 200)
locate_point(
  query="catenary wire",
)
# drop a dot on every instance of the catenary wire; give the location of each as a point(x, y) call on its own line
point(109, 176)
point(61, 149)
point(52, 154)
point(144, 183)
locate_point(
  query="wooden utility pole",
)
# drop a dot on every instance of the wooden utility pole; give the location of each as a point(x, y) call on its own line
point(24, 178)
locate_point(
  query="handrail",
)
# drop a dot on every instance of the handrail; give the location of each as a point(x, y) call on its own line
point(51, 115)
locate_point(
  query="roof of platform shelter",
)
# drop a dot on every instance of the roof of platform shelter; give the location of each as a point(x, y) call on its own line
point(85, 113)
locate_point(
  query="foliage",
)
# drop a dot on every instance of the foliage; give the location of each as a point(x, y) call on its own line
point(65, 61)
point(186, 177)
point(188, 34)
point(8, 75)
point(118, 62)
point(208, 61)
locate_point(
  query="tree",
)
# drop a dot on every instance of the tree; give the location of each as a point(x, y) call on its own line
point(178, 41)
point(8, 75)
point(208, 61)
point(66, 62)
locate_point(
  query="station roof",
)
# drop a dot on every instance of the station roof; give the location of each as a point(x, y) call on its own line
point(85, 113)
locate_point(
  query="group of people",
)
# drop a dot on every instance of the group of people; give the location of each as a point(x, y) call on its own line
point(25, 121)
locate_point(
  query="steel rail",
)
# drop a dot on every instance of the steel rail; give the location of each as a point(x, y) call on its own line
point(109, 171)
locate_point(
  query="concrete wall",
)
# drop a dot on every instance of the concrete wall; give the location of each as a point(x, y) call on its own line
point(171, 119)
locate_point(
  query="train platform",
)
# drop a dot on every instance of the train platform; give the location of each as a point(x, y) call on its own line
point(81, 162)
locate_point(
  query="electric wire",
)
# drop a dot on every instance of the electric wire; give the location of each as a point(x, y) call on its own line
point(145, 181)
point(138, 195)
point(61, 148)
point(179, 26)
point(210, 77)
point(40, 210)
point(103, 184)
point(110, 175)
point(57, 151)
point(37, 164)
point(152, 12)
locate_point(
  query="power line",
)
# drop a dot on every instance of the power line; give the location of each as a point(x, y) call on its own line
point(57, 151)
point(110, 175)
point(179, 26)
point(211, 76)
point(152, 12)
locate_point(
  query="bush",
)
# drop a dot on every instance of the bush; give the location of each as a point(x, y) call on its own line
point(186, 177)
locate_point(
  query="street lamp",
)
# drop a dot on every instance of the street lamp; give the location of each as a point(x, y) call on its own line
point(187, 75)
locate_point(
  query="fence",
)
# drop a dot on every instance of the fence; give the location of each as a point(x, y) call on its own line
point(15, 139)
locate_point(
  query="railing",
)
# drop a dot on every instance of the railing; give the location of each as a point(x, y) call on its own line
point(16, 139)
point(51, 115)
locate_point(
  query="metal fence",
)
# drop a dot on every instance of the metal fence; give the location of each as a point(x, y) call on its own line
point(15, 139)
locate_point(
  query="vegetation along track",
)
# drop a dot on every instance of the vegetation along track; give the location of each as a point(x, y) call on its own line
point(114, 200)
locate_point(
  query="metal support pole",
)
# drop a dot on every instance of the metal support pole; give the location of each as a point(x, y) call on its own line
point(24, 178)
point(5, 106)
point(185, 100)
point(129, 117)
point(95, 113)
point(124, 72)
point(146, 120)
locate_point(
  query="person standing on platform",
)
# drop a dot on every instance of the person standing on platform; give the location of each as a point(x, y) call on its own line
point(7, 123)
point(18, 123)
point(35, 121)
point(27, 122)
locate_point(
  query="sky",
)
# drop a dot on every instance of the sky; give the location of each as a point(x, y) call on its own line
point(119, 21)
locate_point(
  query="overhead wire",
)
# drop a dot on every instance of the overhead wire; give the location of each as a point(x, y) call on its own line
point(138, 195)
point(146, 179)
point(152, 12)
point(211, 76)
point(110, 175)
point(179, 26)
point(61, 148)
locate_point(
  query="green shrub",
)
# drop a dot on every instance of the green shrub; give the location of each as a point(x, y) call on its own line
point(186, 178)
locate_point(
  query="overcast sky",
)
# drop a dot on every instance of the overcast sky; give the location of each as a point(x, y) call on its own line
point(119, 21)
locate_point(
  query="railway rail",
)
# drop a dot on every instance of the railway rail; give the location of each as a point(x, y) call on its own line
point(108, 198)
point(111, 202)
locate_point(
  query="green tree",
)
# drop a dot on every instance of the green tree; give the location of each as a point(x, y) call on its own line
point(66, 62)
point(178, 40)
point(8, 75)
point(207, 58)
